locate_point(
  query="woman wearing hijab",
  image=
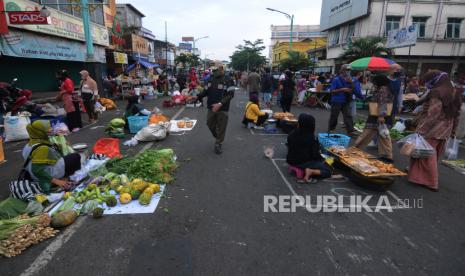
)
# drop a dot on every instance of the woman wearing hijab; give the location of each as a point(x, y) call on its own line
point(436, 123)
point(70, 102)
point(47, 166)
point(89, 94)
point(253, 114)
point(382, 100)
point(304, 150)
point(287, 92)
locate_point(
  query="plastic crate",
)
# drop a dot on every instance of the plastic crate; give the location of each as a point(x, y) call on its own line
point(137, 123)
point(53, 119)
point(328, 140)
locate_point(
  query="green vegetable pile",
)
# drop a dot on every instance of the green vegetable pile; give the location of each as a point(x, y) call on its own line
point(119, 165)
point(396, 135)
point(156, 166)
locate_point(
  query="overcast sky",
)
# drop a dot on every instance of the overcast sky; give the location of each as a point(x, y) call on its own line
point(226, 22)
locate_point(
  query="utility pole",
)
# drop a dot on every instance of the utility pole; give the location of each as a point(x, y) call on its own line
point(166, 44)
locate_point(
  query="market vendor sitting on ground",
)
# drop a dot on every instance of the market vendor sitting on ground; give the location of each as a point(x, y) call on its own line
point(254, 118)
point(133, 108)
point(304, 150)
point(47, 166)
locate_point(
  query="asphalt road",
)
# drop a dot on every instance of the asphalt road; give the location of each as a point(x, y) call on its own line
point(211, 221)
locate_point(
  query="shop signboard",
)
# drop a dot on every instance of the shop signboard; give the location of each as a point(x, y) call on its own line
point(29, 45)
point(3, 23)
point(62, 24)
point(27, 18)
point(120, 58)
point(336, 12)
point(187, 38)
point(403, 37)
point(117, 34)
point(139, 44)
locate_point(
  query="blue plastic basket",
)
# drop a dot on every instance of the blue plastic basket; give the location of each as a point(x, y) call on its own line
point(328, 140)
point(137, 123)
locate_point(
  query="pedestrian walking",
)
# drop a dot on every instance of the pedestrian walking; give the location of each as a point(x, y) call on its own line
point(287, 91)
point(380, 114)
point(266, 87)
point(71, 101)
point(109, 86)
point(342, 88)
point(437, 123)
point(301, 88)
point(89, 94)
point(253, 82)
point(219, 97)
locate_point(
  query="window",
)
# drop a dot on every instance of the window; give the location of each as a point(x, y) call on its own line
point(279, 56)
point(96, 12)
point(275, 57)
point(453, 27)
point(334, 37)
point(392, 23)
point(421, 26)
point(350, 32)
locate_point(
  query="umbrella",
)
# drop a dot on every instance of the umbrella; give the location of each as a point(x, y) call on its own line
point(372, 63)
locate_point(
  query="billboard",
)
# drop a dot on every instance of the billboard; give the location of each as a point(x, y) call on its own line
point(187, 38)
point(185, 46)
point(336, 12)
point(403, 37)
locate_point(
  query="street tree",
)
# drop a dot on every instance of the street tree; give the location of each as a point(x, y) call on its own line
point(248, 55)
point(295, 61)
point(365, 47)
point(187, 60)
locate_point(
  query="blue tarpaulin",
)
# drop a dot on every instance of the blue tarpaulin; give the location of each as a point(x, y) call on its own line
point(143, 63)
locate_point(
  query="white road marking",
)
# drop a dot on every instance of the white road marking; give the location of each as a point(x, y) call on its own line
point(178, 113)
point(95, 127)
point(47, 255)
point(409, 241)
point(284, 177)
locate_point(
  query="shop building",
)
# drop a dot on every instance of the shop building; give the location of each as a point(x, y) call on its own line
point(33, 53)
point(280, 49)
point(441, 31)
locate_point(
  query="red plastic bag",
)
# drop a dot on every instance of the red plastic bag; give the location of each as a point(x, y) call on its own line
point(107, 146)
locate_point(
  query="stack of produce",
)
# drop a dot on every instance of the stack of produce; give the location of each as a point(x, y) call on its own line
point(155, 166)
point(107, 103)
point(158, 118)
point(19, 233)
point(116, 128)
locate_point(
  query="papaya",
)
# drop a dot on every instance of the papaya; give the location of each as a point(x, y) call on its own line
point(145, 198)
point(154, 187)
point(149, 191)
point(140, 186)
point(125, 189)
point(63, 219)
point(125, 198)
point(135, 194)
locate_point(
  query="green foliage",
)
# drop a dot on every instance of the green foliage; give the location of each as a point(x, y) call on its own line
point(187, 60)
point(295, 61)
point(366, 47)
point(248, 54)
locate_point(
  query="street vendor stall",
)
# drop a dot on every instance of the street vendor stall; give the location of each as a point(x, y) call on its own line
point(365, 169)
point(318, 98)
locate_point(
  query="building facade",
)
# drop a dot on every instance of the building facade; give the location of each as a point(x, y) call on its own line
point(282, 33)
point(280, 49)
point(441, 31)
point(38, 51)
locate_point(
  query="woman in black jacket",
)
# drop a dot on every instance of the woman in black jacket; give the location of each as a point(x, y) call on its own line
point(287, 91)
point(304, 150)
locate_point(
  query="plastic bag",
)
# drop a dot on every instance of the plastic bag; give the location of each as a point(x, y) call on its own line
point(99, 107)
point(154, 132)
point(107, 146)
point(60, 129)
point(131, 143)
point(15, 128)
point(383, 131)
point(452, 149)
point(415, 146)
point(399, 126)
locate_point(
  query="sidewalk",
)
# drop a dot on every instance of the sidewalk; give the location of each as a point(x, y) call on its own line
point(42, 97)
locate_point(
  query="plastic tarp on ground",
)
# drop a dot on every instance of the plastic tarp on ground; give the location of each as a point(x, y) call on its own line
point(132, 207)
point(142, 62)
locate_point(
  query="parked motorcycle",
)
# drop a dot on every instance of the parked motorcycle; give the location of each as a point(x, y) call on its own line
point(14, 99)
